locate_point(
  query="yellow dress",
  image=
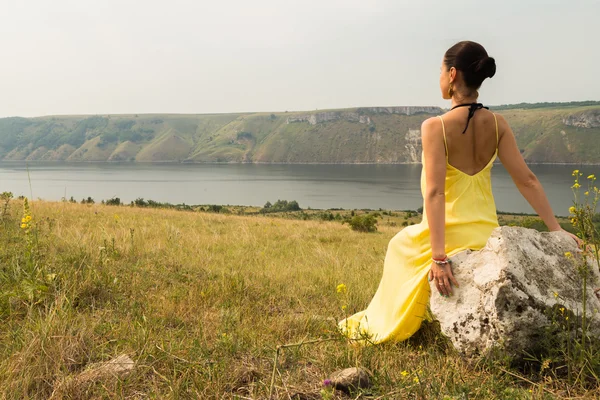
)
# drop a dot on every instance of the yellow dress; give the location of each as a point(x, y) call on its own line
point(400, 303)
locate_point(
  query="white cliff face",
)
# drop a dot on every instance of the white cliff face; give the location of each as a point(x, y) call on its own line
point(585, 119)
point(413, 146)
point(511, 289)
point(318, 118)
point(403, 110)
point(361, 114)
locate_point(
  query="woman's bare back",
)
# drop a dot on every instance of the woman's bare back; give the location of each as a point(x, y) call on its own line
point(470, 152)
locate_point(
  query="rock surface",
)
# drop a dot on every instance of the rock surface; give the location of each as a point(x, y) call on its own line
point(403, 110)
point(319, 118)
point(585, 119)
point(508, 289)
point(350, 379)
point(117, 368)
point(360, 114)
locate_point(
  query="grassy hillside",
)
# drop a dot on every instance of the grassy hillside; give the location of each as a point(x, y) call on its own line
point(546, 133)
point(200, 301)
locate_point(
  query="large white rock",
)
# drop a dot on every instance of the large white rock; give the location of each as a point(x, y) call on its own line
point(508, 291)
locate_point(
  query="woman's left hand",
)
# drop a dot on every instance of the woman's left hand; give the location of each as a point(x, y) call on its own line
point(442, 276)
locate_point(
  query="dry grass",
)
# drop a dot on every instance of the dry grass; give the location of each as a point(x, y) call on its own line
point(200, 301)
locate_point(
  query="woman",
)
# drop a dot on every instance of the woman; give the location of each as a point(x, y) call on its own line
point(459, 213)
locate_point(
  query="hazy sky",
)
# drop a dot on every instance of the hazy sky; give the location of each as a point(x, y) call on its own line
point(106, 56)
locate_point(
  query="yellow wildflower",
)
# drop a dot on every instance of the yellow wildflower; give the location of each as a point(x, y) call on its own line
point(587, 193)
point(416, 380)
point(566, 318)
point(572, 210)
point(404, 373)
point(546, 364)
point(592, 177)
point(344, 307)
point(555, 294)
point(576, 172)
point(23, 220)
point(341, 288)
point(568, 254)
point(23, 226)
point(562, 309)
point(576, 186)
point(27, 218)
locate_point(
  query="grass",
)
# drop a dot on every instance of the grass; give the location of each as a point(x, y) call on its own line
point(201, 301)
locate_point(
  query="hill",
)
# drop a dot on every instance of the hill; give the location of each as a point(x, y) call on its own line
point(546, 133)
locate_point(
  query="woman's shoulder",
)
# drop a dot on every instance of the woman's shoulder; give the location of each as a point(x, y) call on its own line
point(432, 122)
point(431, 125)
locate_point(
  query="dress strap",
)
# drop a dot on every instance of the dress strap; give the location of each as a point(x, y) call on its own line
point(444, 132)
point(496, 121)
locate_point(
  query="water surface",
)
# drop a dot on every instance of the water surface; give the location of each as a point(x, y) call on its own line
point(317, 186)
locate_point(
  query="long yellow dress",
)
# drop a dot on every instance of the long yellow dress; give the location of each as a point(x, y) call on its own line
point(400, 303)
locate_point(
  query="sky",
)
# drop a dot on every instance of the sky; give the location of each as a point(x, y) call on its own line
point(123, 57)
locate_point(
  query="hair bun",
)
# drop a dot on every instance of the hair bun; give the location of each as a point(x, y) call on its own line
point(486, 67)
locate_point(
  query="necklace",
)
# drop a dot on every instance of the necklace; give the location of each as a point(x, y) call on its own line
point(472, 108)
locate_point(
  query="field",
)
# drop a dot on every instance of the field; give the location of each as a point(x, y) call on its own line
point(200, 301)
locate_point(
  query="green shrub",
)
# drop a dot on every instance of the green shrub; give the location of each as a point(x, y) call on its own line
point(280, 206)
point(115, 201)
point(363, 223)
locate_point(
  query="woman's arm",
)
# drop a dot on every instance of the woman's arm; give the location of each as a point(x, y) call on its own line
point(434, 161)
point(524, 179)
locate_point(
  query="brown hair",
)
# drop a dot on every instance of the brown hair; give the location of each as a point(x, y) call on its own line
point(472, 61)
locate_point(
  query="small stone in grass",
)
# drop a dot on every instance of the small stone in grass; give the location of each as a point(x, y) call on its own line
point(349, 379)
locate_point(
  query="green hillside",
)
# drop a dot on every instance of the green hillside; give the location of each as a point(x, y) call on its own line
point(546, 133)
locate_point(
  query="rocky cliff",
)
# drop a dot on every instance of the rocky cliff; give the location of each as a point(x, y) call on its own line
point(585, 119)
point(358, 135)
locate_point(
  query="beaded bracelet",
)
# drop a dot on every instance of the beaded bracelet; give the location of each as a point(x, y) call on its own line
point(442, 261)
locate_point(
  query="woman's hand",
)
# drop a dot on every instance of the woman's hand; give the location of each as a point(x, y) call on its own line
point(442, 276)
point(577, 239)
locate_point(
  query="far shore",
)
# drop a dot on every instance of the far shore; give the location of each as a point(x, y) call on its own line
point(257, 163)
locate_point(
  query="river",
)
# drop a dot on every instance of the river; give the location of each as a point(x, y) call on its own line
point(393, 187)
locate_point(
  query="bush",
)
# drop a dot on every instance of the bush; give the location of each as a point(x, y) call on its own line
point(214, 208)
point(326, 216)
point(139, 202)
point(363, 223)
point(115, 201)
point(244, 135)
point(280, 206)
